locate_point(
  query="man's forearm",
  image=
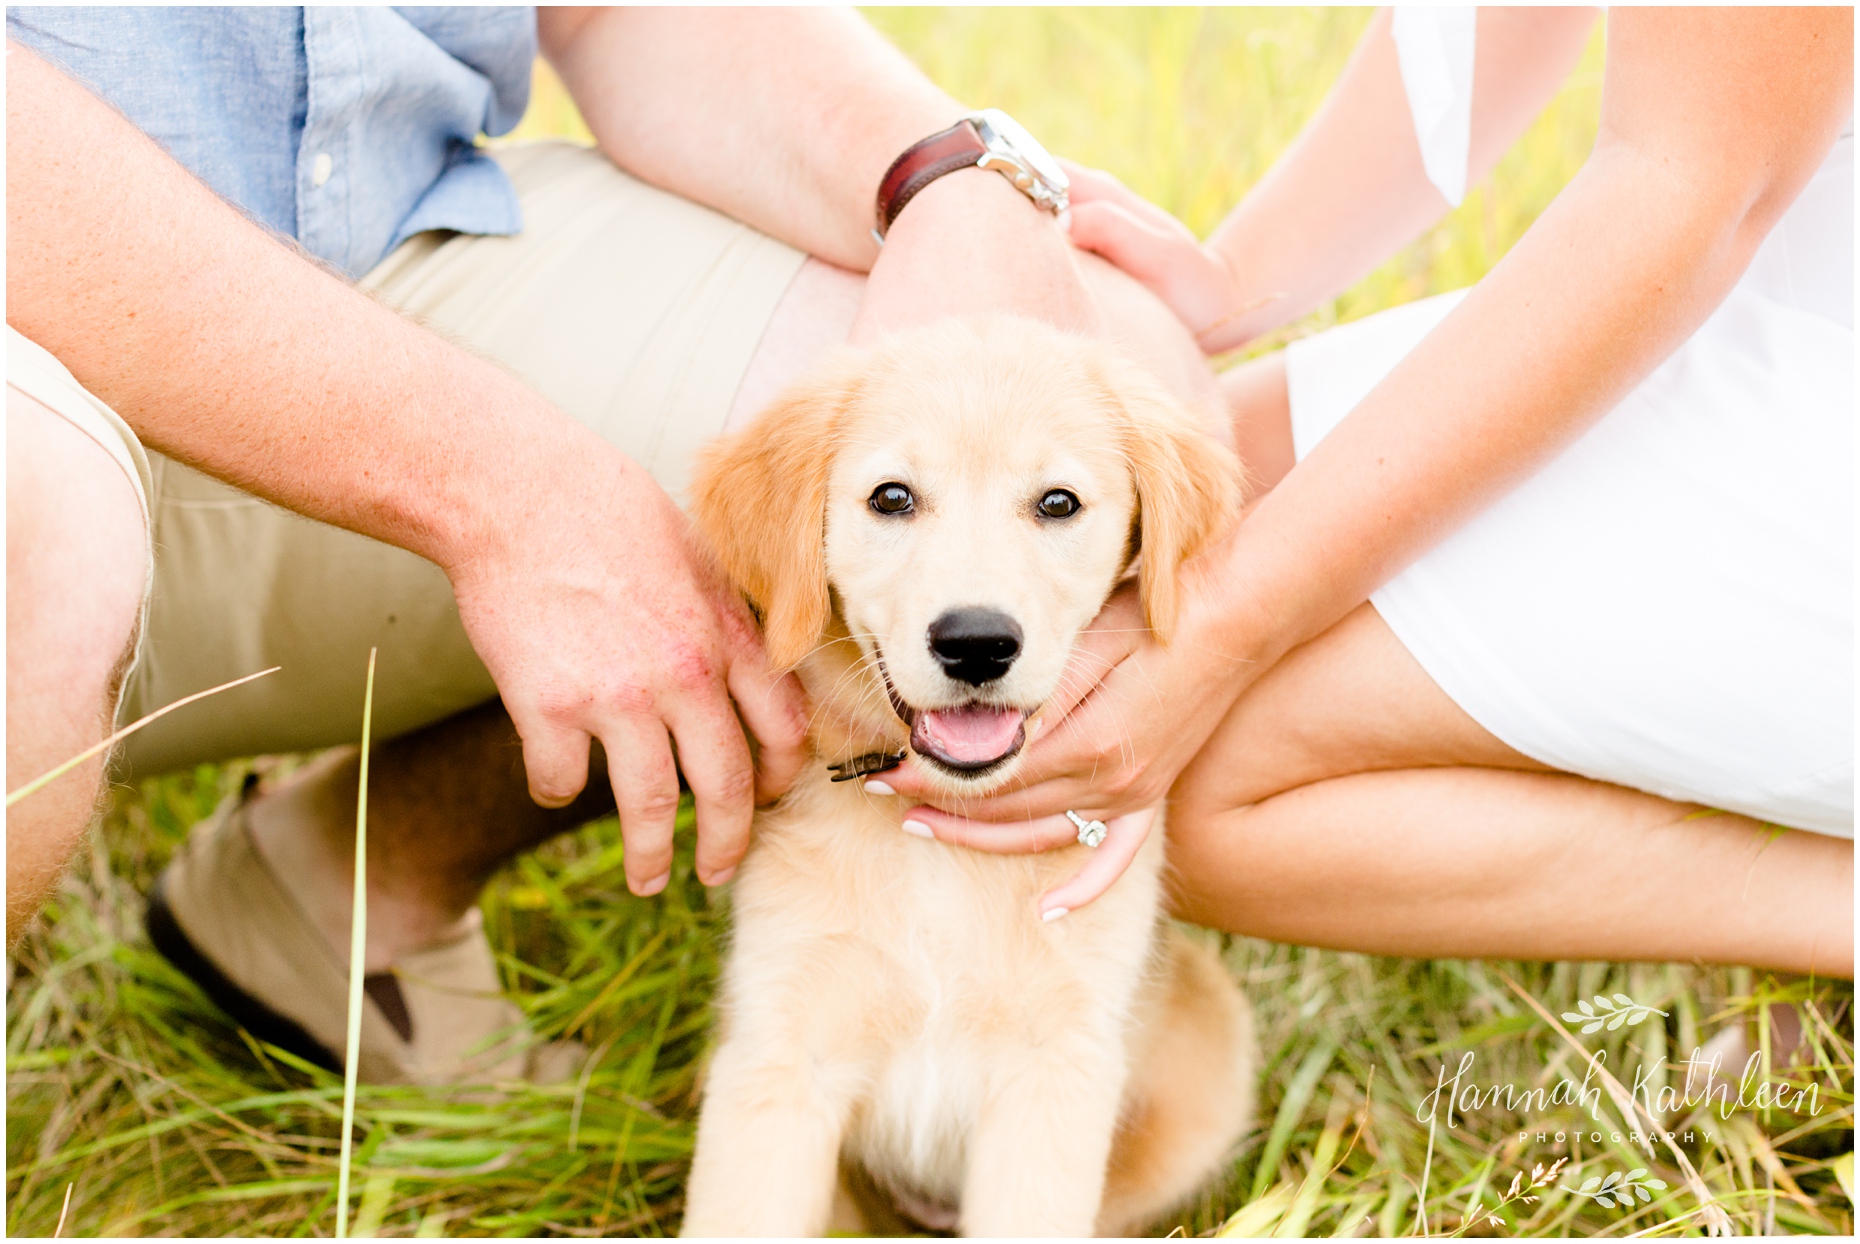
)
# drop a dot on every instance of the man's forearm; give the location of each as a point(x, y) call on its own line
point(225, 349)
point(784, 118)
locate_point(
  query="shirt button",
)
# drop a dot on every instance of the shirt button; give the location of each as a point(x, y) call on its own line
point(321, 168)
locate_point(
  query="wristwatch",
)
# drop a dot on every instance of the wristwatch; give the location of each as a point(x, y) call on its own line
point(986, 139)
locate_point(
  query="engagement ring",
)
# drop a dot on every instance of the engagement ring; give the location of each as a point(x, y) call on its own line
point(1091, 833)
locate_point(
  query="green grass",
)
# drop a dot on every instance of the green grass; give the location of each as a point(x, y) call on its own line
point(127, 1086)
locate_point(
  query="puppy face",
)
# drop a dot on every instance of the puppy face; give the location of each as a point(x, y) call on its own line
point(961, 502)
point(977, 515)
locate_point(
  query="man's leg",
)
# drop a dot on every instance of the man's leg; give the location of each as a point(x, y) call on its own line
point(76, 560)
point(447, 806)
point(638, 314)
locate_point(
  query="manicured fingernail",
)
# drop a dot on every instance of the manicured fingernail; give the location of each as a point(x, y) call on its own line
point(719, 878)
point(1053, 913)
point(655, 885)
point(918, 829)
point(875, 787)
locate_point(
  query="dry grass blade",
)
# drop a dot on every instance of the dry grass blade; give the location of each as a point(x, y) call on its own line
point(358, 953)
point(62, 1211)
point(45, 779)
point(1716, 1220)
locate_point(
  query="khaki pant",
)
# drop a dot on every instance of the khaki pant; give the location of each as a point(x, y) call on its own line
point(635, 311)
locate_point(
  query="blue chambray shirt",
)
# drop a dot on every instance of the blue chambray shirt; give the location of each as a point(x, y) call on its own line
point(350, 129)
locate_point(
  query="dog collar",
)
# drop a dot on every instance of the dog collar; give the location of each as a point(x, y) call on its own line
point(864, 766)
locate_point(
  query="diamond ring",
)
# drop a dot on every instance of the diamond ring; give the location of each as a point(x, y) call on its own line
point(1091, 833)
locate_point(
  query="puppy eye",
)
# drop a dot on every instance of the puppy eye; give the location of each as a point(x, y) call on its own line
point(1058, 504)
point(892, 499)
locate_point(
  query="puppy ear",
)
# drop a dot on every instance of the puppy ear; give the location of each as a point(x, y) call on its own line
point(1188, 487)
point(760, 495)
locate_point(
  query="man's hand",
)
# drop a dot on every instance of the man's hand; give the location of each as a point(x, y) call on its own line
point(600, 618)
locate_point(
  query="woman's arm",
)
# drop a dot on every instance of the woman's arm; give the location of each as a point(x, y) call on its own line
point(1713, 120)
point(1349, 193)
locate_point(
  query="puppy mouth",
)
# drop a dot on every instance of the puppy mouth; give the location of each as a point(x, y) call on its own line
point(967, 738)
point(970, 739)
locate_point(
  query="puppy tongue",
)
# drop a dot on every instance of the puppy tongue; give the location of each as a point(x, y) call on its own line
point(972, 735)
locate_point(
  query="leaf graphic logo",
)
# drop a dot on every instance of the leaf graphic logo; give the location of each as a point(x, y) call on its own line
point(1611, 1012)
point(1618, 1188)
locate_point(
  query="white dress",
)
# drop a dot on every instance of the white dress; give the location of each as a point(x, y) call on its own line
point(1668, 604)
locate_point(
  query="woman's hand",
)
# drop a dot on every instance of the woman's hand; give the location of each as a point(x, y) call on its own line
point(1193, 279)
point(1130, 716)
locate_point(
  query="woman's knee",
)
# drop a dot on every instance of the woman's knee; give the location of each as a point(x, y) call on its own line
point(1149, 332)
point(1223, 874)
point(1353, 700)
point(816, 313)
point(1257, 398)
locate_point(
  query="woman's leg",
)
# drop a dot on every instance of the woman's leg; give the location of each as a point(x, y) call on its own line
point(1481, 863)
point(1347, 802)
point(1256, 395)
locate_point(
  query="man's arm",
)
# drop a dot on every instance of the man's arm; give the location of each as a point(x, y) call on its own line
point(226, 350)
point(786, 119)
point(783, 118)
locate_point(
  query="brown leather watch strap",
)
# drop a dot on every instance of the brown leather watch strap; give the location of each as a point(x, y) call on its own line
point(958, 147)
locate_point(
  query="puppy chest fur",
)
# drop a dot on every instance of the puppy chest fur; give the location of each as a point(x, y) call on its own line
point(925, 984)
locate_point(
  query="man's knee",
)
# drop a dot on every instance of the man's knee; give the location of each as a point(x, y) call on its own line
point(813, 319)
point(77, 560)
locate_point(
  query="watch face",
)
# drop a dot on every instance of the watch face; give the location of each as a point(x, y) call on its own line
point(1025, 146)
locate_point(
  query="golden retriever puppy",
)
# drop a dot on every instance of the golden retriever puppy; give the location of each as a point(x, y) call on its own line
point(924, 532)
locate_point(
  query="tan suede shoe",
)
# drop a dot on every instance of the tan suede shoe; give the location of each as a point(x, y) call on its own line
point(220, 915)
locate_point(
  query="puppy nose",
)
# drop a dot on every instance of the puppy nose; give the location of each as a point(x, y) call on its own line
point(975, 645)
